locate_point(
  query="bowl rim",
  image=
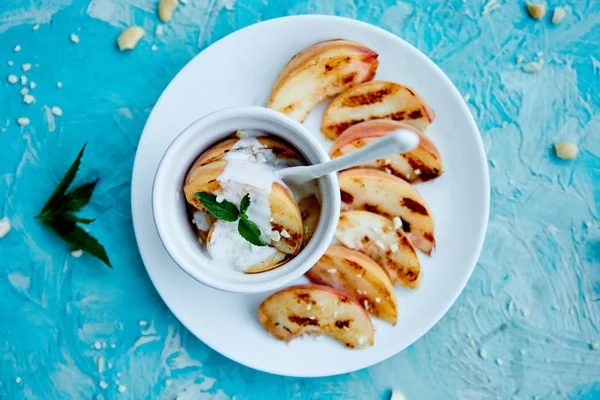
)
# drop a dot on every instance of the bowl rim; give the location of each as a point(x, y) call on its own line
point(326, 227)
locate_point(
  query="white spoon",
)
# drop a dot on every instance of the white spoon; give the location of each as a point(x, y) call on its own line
point(398, 141)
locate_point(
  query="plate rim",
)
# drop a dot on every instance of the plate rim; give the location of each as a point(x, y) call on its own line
point(484, 217)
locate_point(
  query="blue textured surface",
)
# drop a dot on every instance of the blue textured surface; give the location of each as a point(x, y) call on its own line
point(531, 305)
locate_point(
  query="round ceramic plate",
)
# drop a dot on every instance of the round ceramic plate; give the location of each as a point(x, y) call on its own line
point(239, 70)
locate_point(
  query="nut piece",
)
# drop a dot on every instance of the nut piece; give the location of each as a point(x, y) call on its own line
point(130, 37)
point(534, 66)
point(23, 121)
point(4, 226)
point(558, 15)
point(537, 11)
point(165, 9)
point(566, 150)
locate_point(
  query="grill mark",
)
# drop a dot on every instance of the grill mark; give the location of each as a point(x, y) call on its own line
point(348, 78)
point(413, 206)
point(342, 126)
point(428, 237)
point(372, 208)
point(426, 172)
point(346, 197)
point(415, 114)
point(341, 324)
point(289, 108)
point(404, 242)
point(303, 321)
point(397, 116)
point(305, 298)
point(405, 226)
point(412, 275)
point(304, 214)
point(366, 98)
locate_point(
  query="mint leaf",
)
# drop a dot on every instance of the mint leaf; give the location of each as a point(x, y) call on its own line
point(56, 200)
point(225, 210)
point(245, 204)
point(68, 231)
point(79, 197)
point(249, 231)
point(75, 218)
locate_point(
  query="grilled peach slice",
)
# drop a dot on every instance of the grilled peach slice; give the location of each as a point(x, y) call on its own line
point(310, 209)
point(375, 236)
point(323, 70)
point(301, 310)
point(354, 273)
point(385, 194)
point(419, 165)
point(280, 149)
point(284, 209)
point(375, 100)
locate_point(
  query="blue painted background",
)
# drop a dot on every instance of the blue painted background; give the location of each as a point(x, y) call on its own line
point(531, 306)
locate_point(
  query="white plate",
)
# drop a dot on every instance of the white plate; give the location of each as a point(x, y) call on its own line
point(239, 70)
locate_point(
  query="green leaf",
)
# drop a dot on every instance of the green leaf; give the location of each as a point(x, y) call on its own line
point(68, 231)
point(79, 197)
point(224, 210)
point(245, 204)
point(75, 218)
point(56, 200)
point(249, 231)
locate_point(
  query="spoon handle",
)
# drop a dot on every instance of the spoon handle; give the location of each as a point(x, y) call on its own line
point(398, 141)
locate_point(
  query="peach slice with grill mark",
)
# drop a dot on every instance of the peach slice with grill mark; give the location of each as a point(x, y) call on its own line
point(302, 310)
point(310, 209)
point(321, 71)
point(390, 196)
point(375, 100)
point(280, 149)
point(375, 236)
point(284, 209)
point(357, 275)
point(419, 165)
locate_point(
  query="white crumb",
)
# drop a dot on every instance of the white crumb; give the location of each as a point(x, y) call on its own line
point(143, 323)
point(525, 312)
point(380, 244)
point(59, 84)
point(397, 395)
point(332, 270)
point(13, 79)
point(23, 121)
point(32, 85)
point(285, 234)
point(275, 236)
point(397, 223)
point(36, 27)
point(57, 111)
point(10, 63)
point(97, 345)
point(558, 15)
point(26, 67)
point(23, 80)
point(74, 38)
point(499, 361)
point(24, 91)
point(77, 253)
point(28, 99)
point(482, 353)
point(100, 364)
point(103, 385)
point(393, 247)
point(153, 47)
point(522, 352)
point(159, 31)
point(17, 48)
point(534, 66)
point(594, 346)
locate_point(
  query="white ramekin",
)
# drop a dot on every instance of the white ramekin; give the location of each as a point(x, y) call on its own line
point(169, 204)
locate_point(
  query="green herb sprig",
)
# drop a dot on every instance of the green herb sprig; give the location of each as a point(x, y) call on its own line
point(228, 211)
point(57, 213)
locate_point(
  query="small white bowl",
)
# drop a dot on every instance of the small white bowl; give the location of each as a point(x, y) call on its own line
point(169, 203)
